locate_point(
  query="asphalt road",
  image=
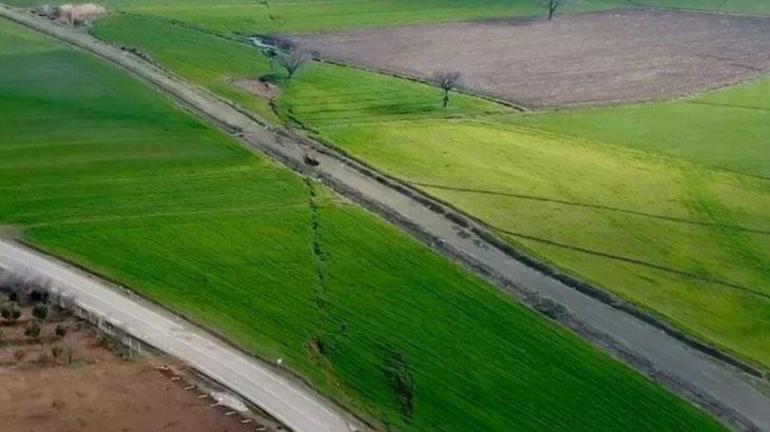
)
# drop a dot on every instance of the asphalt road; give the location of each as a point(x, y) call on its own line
point(287, 400)
point(740, 400)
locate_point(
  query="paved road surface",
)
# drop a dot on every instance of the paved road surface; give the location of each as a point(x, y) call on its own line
point(285, 399)
point(733, 395)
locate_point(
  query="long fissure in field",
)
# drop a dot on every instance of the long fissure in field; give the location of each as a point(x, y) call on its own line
point(623, 197)
point(99, 169)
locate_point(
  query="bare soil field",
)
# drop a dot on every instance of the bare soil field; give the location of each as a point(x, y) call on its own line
point(595, 58)
point(87, 385)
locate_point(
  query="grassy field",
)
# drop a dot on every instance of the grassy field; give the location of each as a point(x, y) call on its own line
point(292, 16)
point(102, 170)
point(725, 129)
point(689, 243)
point(737, 6)
point(214, 62)
point(598, 216)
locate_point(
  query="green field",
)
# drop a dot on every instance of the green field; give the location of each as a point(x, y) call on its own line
point(591, 209)
point(654, 223)
point(686, 241)
point(732, 6)
point(291, 16)
point(98, 168)
point(726, 129)
point(215, 62)
point(297, 16)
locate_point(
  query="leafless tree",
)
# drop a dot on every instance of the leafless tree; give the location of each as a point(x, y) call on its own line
point(553, 5)
point(447, 80)
point(293, 60)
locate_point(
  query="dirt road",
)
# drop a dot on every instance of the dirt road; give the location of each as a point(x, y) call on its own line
point(729, 393)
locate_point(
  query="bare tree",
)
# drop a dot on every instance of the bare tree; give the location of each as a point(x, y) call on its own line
point(553, 5)
point(447, 80)
point(293, 60)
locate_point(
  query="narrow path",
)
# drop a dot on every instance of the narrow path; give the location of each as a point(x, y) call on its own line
point(737, 398)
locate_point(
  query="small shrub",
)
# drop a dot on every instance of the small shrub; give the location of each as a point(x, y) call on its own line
point(38, 296)
point(60, 330)
point(19, 355)
point(33, 330)
point(40, 311)
point(10, 311)
point(69, 353)
point(56, 351)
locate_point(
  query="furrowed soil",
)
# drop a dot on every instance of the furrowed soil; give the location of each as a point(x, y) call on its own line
point(597, 58)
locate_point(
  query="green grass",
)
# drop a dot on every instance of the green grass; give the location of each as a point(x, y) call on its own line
point(399, 126)
point(102, 170)
point(738, 6)
point(291, 16)
point(590, 209)
point(726, 129)
point(211, 61)
point(336, 92)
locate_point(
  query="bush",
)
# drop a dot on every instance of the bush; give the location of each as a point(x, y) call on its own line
point(38, 296)
point(60, 330)
point(19, 355)
point(10, 311)
point(56, 351)
point(40, 311)
point(33, 330)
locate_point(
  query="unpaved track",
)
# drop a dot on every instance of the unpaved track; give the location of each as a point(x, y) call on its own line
point(729, 393)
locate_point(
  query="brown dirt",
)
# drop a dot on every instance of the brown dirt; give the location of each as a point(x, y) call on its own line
point(97, 390)
point(257, 88)
point(609, 57)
